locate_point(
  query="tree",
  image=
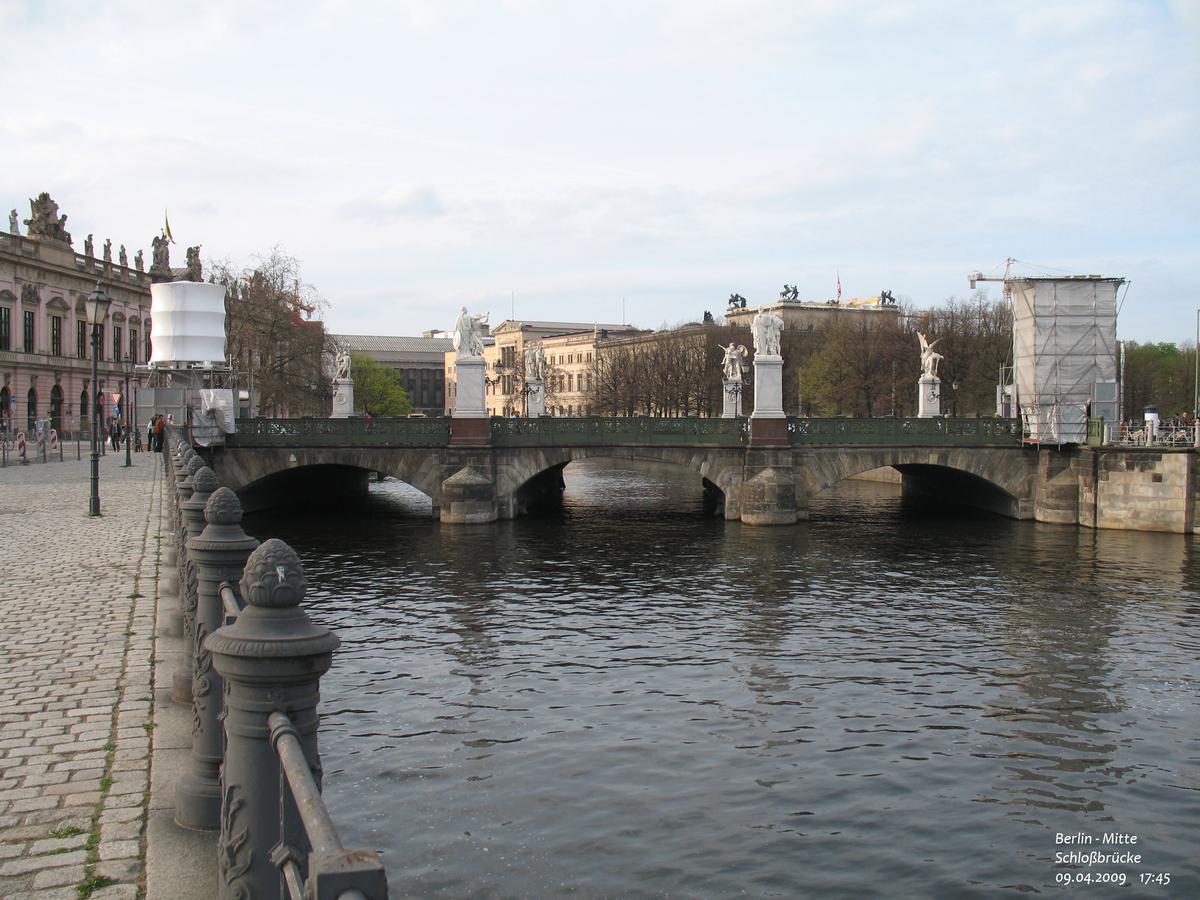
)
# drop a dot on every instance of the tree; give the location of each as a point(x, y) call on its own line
point(275, 346)
point(377, 389)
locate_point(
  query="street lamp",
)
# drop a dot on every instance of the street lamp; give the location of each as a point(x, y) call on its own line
point(96, 307)
point(127, 365)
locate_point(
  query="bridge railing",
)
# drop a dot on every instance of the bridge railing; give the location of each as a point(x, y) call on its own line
point(254, 661)
point(937, 431)
point(607, 431)
point(306, 432)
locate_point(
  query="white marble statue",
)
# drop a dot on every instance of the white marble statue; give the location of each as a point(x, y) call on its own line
point(929, 359)
point(468, 334)
point(765, 328)
point(343, 365)
point(734, 361)
point(535, 363)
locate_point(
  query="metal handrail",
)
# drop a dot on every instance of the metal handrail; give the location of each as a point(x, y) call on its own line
point(314, 816)
point(230, 602)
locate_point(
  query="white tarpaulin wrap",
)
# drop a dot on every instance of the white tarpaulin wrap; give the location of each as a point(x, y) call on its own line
point(221, 405)
point(1064, 343)
point(187, 323)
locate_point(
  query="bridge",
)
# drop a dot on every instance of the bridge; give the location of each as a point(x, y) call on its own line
point(518, 463)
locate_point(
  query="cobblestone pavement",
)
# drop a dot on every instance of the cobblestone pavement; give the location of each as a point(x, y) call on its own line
point(77, 599)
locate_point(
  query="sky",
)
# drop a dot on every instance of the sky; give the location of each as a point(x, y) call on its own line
point(571, 160)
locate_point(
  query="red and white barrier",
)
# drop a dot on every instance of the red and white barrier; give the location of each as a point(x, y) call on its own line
point(53, 439)
point(21, 447)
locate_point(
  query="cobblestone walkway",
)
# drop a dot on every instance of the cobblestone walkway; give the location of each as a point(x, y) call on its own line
point(77, 600)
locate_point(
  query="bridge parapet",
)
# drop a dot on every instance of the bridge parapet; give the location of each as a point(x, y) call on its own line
point(618, 431)
point(380, 432)
point(909, 431)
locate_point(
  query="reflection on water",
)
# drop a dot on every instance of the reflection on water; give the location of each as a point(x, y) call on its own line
point(635, 700)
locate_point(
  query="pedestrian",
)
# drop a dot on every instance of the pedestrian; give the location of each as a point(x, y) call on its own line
point(160, 428)
point(150, 434)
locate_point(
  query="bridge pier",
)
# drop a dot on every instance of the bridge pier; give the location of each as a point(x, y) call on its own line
point(468, 490)
point(769, 492)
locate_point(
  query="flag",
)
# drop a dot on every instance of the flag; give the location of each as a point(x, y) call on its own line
point(167, 228)
point(839, 282)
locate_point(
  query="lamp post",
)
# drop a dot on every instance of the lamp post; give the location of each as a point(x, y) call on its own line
point(127, 364)
point(96, 306)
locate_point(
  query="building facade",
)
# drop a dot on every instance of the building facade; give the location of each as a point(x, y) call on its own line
point(419, 360)
point(45, 340)
point(570, 349)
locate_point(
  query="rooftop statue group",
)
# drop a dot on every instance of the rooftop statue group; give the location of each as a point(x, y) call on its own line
point(44, 220)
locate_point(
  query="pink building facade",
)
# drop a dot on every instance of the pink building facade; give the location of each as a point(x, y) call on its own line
point(45, 341)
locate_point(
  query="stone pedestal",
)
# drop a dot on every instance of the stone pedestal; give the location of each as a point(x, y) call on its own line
point(929, 397)
point(343, 398)
point(535, 397)
point(470, 424)
point(769, 488)
point(732, 393)
point(768, 423)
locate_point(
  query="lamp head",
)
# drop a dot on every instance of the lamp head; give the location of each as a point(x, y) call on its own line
point(96, 305)
point(127, 364)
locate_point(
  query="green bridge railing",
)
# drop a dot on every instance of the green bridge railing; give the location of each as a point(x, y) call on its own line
point(634, 431)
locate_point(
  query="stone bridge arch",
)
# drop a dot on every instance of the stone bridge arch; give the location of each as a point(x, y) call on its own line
point(262, 476)
point(522, 474)
point(1000, 479)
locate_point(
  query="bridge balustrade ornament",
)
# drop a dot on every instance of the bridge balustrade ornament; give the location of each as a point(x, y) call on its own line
point(606, 431)
point(933, 432)
point(383, 432)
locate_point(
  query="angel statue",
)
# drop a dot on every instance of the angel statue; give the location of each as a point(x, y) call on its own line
point(734, 361)
point(929, 359)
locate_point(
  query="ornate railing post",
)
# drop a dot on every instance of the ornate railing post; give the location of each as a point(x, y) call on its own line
point(218, 554)
point(272, 659)
point(186, 524)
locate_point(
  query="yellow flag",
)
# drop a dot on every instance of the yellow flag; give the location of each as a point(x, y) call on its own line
point(167, 228)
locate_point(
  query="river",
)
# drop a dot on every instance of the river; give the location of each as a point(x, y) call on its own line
point(634, 700)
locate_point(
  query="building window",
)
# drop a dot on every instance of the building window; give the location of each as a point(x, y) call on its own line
point(116, 343)
point(133, 347)
point(147, 356)
point(83, 407)
point(100, 342)
point(5, 328)
point(31, 399)
point(28, 318)
point(56, 335)
point(81, 339)
point(570, 382)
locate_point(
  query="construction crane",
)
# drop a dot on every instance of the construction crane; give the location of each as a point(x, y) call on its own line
point(1006, 380)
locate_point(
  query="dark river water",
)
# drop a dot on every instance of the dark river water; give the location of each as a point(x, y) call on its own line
point(634, 700)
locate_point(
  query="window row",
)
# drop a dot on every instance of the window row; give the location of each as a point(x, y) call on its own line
point(82, 341)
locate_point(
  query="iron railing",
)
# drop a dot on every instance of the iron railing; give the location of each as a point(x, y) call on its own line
point(908, 431)
point(355, 432)
point(607, 431)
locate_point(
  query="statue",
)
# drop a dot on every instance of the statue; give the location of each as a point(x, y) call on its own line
point(929, 359)
point(765, 328)
point(191, 270)
point(343, 364)
point(789, 292)
point(734, 361)
point(108, 250)
point(886, 298)
point(123, 257)
point(737, 301)
point(138, 261)
point(44, 220)
point(161, 256)
point(535, 363)
point(89, 248)
point(12, 223)
point(708, 318)
point(468, 334)
point(29, 293)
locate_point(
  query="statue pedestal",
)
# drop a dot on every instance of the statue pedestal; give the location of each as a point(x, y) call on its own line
point(768, 423)
point(343, 398)
point(471, 424)
point(929, 397)
point(732, 389)
point(535, 397)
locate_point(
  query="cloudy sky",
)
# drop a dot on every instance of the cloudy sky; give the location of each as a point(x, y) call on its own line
point(417, 156)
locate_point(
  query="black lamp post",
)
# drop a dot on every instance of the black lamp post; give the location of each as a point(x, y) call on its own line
point(127, 364)
point(96, 305)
